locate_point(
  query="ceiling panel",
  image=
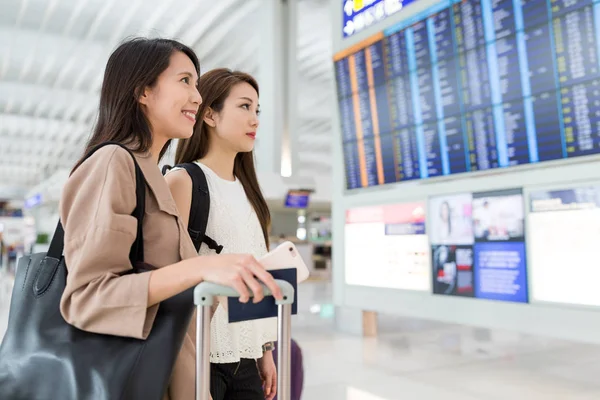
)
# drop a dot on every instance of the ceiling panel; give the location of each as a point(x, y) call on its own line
point(53, 53)
point(314, 49)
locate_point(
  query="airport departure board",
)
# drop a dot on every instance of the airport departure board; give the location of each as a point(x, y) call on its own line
point(471, 85)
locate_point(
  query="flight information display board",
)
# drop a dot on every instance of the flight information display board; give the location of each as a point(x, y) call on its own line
point(471, 85)
point(563, 245)
point(398, 255)
point(478, 245)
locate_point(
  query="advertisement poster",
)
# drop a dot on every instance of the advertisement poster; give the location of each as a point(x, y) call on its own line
point(563, 245)
point(452, 244)
point(499, 216)
point(478, 245)
point(451, 220)
point(500, 263)
point(500, 272)
point(453, 270)
point(386, 246)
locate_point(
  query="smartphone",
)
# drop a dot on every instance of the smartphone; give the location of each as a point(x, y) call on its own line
point(285, 256)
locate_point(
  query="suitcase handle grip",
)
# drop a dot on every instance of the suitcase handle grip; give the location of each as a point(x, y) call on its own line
point(205, 292)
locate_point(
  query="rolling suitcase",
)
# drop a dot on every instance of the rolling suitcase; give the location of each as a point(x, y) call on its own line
point(204, 295)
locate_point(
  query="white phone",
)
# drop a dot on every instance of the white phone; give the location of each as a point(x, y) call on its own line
point(286, 256)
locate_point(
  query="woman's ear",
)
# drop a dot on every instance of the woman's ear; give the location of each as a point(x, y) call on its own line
point(142, 95)
point(209, 118)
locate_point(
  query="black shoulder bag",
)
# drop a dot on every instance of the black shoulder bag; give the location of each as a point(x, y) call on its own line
point(42, 357)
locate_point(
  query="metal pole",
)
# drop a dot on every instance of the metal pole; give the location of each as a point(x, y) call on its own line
point(284, 353)
point(203, 353)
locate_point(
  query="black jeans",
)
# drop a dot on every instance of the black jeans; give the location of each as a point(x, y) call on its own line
point(236, 381)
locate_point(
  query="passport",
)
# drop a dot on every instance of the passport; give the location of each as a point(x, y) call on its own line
point(267, 308)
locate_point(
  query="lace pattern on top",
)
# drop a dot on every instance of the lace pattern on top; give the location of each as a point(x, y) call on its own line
point(234, 224)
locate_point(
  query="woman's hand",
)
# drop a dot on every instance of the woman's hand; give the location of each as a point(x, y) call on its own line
point(239, 271)
point(268, 374)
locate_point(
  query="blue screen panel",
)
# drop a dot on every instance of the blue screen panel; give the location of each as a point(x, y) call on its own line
point(471, 85)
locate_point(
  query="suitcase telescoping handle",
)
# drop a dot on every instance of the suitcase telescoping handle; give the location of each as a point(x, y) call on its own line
point(204, 295)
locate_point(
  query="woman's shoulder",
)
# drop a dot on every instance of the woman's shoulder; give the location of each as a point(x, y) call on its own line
point(180, 184)
point(208, 173)
point(108, 160)
point(102, 186)
point(112, 155)
point(110, 166)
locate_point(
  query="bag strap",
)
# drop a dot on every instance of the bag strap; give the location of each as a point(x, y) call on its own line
point(200, 207)
point(136, 254)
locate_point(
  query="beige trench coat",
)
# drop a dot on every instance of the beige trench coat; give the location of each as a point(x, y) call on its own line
point(96, 207)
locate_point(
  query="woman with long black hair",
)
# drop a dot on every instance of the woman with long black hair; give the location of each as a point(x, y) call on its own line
point(149, 96)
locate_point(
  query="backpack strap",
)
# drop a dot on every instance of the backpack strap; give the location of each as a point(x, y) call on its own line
point(200, 207)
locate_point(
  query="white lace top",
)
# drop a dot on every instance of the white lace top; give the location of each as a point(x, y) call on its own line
point(233, 223)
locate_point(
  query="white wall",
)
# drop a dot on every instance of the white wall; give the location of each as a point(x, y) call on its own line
point(284, 223)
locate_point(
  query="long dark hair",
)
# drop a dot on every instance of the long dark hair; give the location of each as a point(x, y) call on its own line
point(135, 65)
point(215, 87)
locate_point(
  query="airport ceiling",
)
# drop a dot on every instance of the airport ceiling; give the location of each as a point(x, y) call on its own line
point(53, 53)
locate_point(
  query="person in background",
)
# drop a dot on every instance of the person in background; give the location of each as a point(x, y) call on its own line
point(222, 145)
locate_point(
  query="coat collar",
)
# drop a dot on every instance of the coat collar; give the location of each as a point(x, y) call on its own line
point(157, 183)
point(159, 188)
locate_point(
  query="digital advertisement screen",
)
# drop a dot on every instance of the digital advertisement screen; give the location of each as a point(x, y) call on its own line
point(453, 270)
point(451, 220)
point(387, 246)
point(478, 245)
point(471, 85)
point(564, 241)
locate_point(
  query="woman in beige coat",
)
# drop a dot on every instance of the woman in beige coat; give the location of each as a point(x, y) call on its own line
point(149, 96)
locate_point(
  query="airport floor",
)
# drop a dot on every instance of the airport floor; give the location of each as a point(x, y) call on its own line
point(413, 359)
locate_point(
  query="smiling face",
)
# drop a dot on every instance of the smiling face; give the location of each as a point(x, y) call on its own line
point(236, 125)
point(172, 103)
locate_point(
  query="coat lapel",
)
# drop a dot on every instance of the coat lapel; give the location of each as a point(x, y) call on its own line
point(160, 190)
